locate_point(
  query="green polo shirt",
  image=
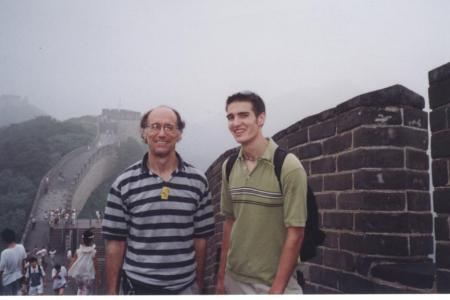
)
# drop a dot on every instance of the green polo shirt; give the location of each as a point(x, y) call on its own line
point(262, 214)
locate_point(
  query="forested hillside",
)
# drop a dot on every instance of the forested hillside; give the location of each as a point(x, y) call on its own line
point(27, 151)
point(15, 109)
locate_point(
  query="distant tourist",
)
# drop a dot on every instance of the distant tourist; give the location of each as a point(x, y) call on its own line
point(11, 263)
point(84, 266)
point(52, 254)
point(35, 276)
point(59, 274)
point(40, 255)
point(156, 234)
point(46, 184)
point(98, 216)
point(33, 222)
point(74, 216)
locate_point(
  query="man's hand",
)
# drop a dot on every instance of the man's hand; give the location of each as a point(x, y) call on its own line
point(288, 259)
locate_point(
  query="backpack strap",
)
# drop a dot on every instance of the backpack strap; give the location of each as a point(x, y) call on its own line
point(278, 160)
point(229, 165)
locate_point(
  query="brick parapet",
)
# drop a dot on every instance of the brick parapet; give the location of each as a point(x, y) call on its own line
point(439, 97)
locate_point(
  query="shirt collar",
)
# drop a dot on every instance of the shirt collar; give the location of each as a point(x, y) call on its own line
point(268, 152)
point(144, 168)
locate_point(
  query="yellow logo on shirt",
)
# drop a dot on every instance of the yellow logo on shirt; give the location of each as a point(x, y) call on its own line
point(165, 193)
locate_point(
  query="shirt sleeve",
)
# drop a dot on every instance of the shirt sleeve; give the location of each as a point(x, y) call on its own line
point(114, 225)
point(294, 181)
point(204, 216)
point(226, 206)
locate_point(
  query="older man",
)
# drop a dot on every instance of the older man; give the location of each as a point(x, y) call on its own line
point(158, 216)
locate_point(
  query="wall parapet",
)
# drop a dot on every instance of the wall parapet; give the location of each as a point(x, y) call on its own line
point(439, 97)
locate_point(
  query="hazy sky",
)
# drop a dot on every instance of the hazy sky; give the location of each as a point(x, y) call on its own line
point(75, 57)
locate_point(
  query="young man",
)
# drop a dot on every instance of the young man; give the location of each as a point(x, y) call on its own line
point(158, 216)
point(35, 275)
point(11, 263)
point(263, 228)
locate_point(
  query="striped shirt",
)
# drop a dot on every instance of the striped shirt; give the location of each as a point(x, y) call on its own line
point(159, 220)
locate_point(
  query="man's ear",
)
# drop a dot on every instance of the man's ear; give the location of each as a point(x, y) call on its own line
point(261, 119)
point(141, 131)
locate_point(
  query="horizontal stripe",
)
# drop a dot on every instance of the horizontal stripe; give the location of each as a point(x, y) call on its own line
point(154, 226)
point(113, 218)
point(158, 199)
point(160, 252)
point(173, 212)
point(165, 265)
point(116, 193)
point(113, 205)
point(257, 203)
point(162, 277)
point(113, 237)
point(203, 217)
point(160, 239)
point(255, 192)
point(205, 229)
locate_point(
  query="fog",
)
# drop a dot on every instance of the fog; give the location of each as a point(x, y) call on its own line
point(74, 57)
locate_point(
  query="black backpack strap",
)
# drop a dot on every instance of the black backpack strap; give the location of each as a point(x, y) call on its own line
point(229, 165)
point(278, 160)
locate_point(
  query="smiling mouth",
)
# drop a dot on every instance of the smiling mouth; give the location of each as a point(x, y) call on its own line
point(239, 131)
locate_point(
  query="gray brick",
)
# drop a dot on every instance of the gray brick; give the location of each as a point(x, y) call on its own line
point(368, 116)
point(338, 182)
point(441, 200)
point(323, 130)
point(309, 151)
point(372, 201)
point(418, 201)
point(415, 118)
point(440, 172)
point(390, 136)
point(338, 220)
point(416, 159)
point(440, 142)
point(337, 144)
point(439, 119)
point(323, 165)
point(439, 93)
point(371, 158)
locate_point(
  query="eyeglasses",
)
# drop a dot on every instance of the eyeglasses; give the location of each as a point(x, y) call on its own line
point(156, 128)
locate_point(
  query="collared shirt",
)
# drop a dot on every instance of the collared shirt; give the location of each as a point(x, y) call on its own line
point(159, 221)
point(262, 213)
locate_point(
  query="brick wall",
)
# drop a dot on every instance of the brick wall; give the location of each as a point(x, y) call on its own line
point(439, 96)
point(367, 163)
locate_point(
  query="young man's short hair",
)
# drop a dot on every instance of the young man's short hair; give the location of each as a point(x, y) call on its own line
point(247, 96)
point(8, 236)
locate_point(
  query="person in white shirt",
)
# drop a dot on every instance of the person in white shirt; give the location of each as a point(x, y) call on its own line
point(11, 263)
point(59, 274)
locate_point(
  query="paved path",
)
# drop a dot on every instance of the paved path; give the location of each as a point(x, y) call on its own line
point(57, 196)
